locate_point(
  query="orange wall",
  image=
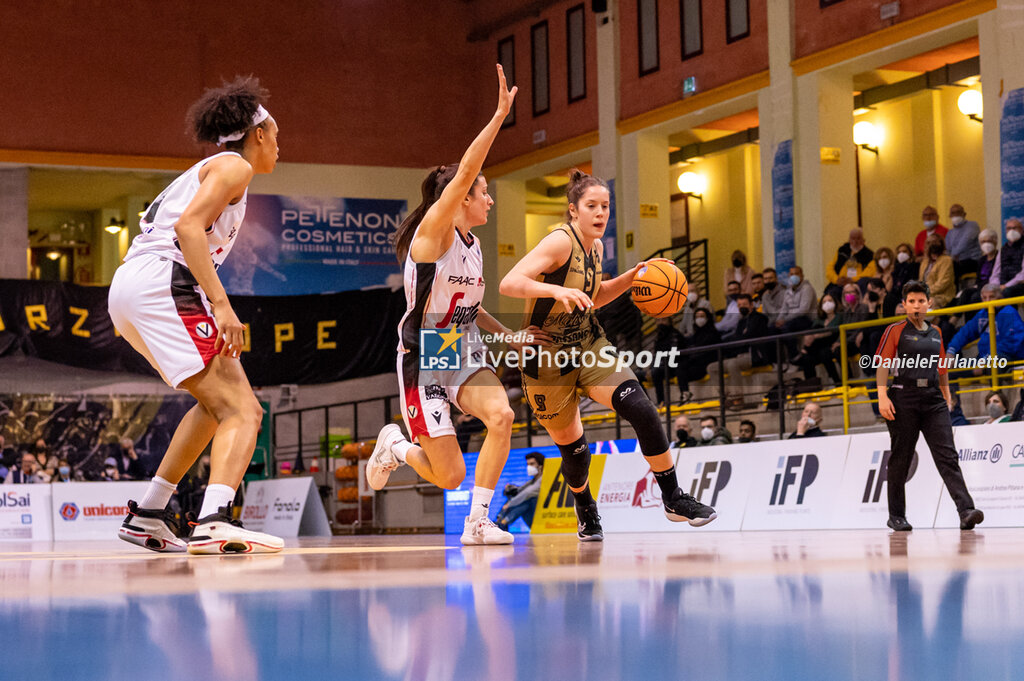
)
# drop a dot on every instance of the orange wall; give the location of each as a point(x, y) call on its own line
point(563, 120)
point(817, 28)
point(720, 63)
point(366, 82)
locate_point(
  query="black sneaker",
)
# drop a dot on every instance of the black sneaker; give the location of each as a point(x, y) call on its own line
point(589, 524)
point(899, 524)
point(970, 518)
point(682, 508)
point(153, 529)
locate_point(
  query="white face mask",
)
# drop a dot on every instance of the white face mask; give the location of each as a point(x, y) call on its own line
point(884, 262)
point(902, 256)
point(707, 433)
point(691, 297)
point(957, 220)
point(532, 470)
point(929, 224)
point(828, 306)
point(1012, 235)
point(811, 422)
point(700, 321)
point(988, 247)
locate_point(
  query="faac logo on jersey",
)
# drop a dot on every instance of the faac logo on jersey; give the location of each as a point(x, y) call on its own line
point(465, 281)
point(457, 314)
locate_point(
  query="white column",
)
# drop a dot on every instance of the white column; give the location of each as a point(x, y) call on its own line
point(510, 212)
point(14, 223)
point(643, 180)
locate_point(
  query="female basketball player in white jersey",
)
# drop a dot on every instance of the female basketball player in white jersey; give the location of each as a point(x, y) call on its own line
point(444, 287)
point(168, 303)
point(563, 272)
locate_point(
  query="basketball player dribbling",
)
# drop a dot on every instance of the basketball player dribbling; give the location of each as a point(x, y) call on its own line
point(561, 280)
point(444, 288)
point(167, 301)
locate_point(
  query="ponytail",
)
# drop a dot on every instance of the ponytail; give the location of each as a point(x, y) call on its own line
point(431, 190)
point(579, 183)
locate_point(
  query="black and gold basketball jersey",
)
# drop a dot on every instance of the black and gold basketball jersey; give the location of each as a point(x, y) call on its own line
point(580, 271)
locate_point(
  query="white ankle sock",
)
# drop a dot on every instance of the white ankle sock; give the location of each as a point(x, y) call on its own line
point(481, 502)
point(217, 496)
point(401, 448)
point(157, 494)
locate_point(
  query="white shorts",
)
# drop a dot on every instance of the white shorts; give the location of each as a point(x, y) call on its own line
point(427, 396)
point(158, 307)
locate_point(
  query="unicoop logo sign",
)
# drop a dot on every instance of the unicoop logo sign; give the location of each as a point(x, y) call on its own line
point(68, 511)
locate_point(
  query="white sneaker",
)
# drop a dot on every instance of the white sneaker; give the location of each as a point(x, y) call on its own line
point(151, 529)
point(483, 531)
point(383, 461)
point(220, 533)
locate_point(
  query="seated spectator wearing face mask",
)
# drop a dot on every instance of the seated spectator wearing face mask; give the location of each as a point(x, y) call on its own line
point(110, 472)
point(997, 407)
point(522, 499)
point(732, 311)
point(988, 243)
point(937, 272)
point(683, 436)
point(704, 334)
point(694, 301)
point(885, 265)
point(962, 241)
point(809, 424)
point(771, 297)
point(748, 431)
point(930, 220)
point(63, 472)
point(740, 272)
point(852, 261)
point(711, 434)
point(1008, 268)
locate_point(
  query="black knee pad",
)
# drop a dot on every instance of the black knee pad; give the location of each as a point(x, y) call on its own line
point(576, 462)
point(631, 402)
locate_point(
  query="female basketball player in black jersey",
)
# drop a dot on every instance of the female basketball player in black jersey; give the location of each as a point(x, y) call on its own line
point(444, 289)
point(564, 272)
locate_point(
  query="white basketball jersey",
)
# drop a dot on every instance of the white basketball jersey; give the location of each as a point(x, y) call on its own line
point(444, 293)
point(158, 236)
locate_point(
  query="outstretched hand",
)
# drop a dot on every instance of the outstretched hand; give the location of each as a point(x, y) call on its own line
point(505, 96)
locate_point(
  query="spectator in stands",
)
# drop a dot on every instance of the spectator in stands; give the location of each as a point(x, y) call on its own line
point(1009, 330)
point(666, 338)
point(704, 334)
point(711, 434)
point(930, 219)
point(27, 471)
point(798, 304)
point(129, 466)
point(43, 455)
point(757, 283)
point(821, 348)
point(771, 299)
point(740, 272)
point(522, 499)
point(1008, 268)
point(853, 260)
point(962, 241)
point(885, 265)
point(732, 311)
point(988, 244)
point(748, 431)
point(937, 271)
point(683, 436)
point(809, 424)
point(905, 269)
point(752, 325)
point(63, 472)
point(693, 301)
point(998, 408)
point(110, 472)
point(8, 455)
point(852, 309)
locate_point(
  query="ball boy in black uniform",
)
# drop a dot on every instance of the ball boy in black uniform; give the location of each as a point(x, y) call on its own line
point(919, 402)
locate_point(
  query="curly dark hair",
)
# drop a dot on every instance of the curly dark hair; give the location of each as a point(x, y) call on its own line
point(226, 110)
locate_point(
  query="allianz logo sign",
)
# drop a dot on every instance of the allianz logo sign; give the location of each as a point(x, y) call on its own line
point(993, 453)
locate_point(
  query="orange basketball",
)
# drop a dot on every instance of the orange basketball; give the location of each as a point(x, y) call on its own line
point(660, 288)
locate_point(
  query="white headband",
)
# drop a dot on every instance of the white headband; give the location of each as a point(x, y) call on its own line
point(257, 118)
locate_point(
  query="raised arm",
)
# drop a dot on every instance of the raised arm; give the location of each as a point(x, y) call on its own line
point(545, 258)
point(221, 181)
point(436, 231)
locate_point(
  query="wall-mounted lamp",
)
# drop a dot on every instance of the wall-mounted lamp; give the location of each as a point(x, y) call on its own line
point(115, 226)
point(969, 103)
point(692, 184)
point(53, 255)
point(866, 136)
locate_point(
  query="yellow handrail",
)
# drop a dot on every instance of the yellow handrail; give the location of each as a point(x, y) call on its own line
point(845, 328)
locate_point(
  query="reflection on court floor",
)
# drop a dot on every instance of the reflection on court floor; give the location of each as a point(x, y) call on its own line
point(785, 605)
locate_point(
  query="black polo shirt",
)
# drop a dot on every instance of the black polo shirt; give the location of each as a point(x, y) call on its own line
point(918, 352)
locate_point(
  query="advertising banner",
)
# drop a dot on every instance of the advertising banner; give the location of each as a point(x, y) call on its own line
point(293, 245)
point(25, 513)
point(861, 500)
point(722, 477)
point(556, 512)
point(795, 483)
point(782, 206)
point(91, 510)
point(992, 460)
point(1011, 156)
point(285, 507)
